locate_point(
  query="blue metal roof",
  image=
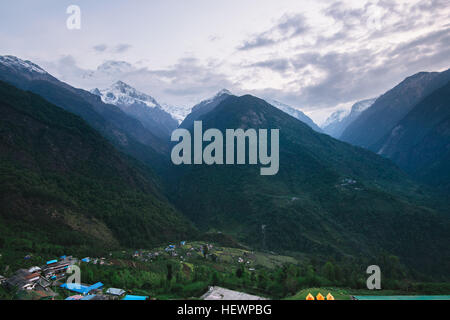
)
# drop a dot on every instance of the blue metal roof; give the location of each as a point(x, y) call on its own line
point(98, 285)
point(75, 287)
point(81, 288)
point(134, 298)
point(52, 261)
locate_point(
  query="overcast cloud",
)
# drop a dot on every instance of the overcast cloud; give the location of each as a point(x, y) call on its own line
point(314, 55)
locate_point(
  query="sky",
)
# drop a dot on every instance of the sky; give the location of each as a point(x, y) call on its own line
point(317, 56)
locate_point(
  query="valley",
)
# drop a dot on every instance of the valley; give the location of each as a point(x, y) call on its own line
point(90, 174)
point(186, 270)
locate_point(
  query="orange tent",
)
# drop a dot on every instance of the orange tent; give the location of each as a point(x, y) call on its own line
point(310, 297)
point(330, 296)
point(320, 297)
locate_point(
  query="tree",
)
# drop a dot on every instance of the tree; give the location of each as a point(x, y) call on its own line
point(169, 272)
point(329, 271)
point(240, 272)
point(205, 250)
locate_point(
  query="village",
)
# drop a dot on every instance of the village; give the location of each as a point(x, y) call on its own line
point(51, 280)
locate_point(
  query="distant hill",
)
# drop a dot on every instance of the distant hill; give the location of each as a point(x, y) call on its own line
point(328, 199)
point(63, 184)
point(340, 120)
point(378, 120)
point(420, 142)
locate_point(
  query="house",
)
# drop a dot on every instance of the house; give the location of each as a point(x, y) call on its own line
point(33, 277)
point(2, 279)
point(171, 247)
point(22, 280)
point(100, 297)
point(55, 269)
point(93, 297)
point(74, 298)
point(34, 269)
point(44, 283)
point(115, 292)
point(218, 293)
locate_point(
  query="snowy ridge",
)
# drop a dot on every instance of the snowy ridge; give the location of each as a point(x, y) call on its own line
point(294, 113)
point(339, 120)
point(336, 116)
point(218, 95)
point(123, 94)
point(178, 113)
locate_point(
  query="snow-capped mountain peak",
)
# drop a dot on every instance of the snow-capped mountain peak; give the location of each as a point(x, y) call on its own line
point(363, 105)
point(224, 91)
point(339, 120)
point(21, 65)
point(179, 113)
point(336, 116)
point(123, 94)
point(218, 95)
point(294, 113)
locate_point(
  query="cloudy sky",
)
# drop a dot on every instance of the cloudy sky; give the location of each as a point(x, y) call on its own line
point(317, 56)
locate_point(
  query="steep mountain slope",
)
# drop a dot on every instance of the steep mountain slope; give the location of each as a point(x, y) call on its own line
point(140, 106)
point(340, 120)
point(377, 121)
point(295, 113)
point(125, 132)
point(328, 198)
point(420, 143)
point(62, 183)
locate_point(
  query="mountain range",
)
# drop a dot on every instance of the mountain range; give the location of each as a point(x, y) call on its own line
point(125, 132)
point(207, 105)
point(408, 124)
point(65, 184)
point(81, 169)
point(378, 120)
point(329, 198)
